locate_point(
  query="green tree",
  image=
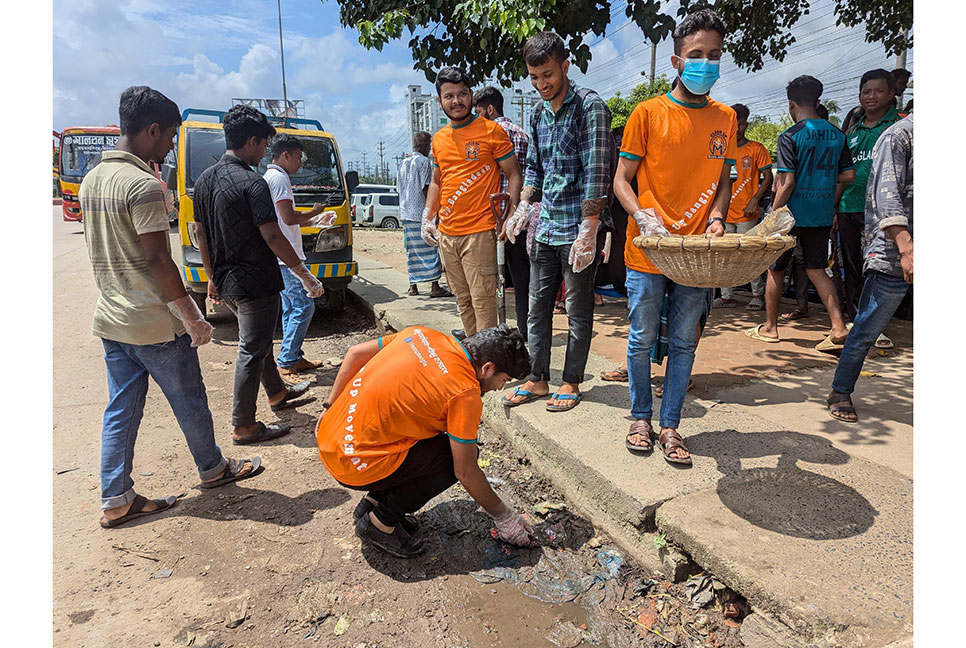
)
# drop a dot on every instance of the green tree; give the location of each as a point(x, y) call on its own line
point(767, 132)
point(485, 36)
point(621, 107)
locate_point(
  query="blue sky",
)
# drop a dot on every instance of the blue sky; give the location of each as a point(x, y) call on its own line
point(203, 53)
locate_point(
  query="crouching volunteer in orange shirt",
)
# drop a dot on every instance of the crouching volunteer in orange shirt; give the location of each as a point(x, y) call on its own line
point(402, 425)
point(678, 146)
point(468, 155)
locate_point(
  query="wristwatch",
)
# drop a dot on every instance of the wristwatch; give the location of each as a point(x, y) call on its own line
point(716, 218)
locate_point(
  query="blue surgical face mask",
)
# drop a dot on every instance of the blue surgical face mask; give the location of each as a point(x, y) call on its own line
point(699, 75)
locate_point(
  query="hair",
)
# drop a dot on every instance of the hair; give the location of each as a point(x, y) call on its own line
point(822, 111)
point(243, 122)
point(804, 90)
point(741, 111)
point(284, 144)
point(878, 73)
point(142, 106)
point(422, 141)
point(452, 74)
point(703, 20)
point(901, 74)
point(542, 47)
point(489, 96)
point(501, 345)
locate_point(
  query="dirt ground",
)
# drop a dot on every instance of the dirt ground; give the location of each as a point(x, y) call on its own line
point(273, 561)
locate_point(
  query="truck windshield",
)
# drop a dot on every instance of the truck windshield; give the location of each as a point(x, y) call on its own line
point(80, 152)
point(320, 165)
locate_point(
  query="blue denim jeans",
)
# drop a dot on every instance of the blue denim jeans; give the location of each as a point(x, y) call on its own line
point(549, 264)
point(881, 296)
point(174, 367)
point(645, 295)
point(297, 311)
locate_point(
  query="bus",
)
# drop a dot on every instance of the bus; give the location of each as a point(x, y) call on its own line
point(328, 250)
point(80, 151)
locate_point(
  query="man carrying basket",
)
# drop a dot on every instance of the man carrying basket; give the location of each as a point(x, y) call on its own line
point(678, 146)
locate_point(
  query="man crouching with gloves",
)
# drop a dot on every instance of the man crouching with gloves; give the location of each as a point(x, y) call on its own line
point(401, 423)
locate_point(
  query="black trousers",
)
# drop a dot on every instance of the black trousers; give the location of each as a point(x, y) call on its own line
point(518, 264)
point(426, 472)
point(851, 229)
point(257, 319)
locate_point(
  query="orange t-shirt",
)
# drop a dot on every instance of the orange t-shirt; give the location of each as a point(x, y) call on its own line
point(421, 383)
point(682, 149)
point(752, 158)
point(468, 158)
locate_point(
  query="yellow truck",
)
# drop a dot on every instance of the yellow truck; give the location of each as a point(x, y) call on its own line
point(328, 250)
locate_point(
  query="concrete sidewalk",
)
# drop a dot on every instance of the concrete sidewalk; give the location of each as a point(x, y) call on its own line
point(807, 517)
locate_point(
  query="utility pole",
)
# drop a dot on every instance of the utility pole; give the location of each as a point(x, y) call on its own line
point(365, 167)
point(520, 100)
point(282, 52)
point(382, 165)
point(901, 63)
point(398, 159)
point(653, 60)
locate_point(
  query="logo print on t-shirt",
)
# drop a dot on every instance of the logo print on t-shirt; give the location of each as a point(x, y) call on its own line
point(717, 145)
point(472, 151)
point(746, 162)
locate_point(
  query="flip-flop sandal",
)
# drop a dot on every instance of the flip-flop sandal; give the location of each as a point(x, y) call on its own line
point(836, 406)
point(444, 293)
point(755, 334)
point(644, 429)
point(233, 472)
point(659, 390)
point(527, 397)
point(883, 342)
point(292, 393)
point(576, 398)
point(828, 346)
point(794, 315)
point(264, 433)
point(724, 303)
point(755, 304)
point(674, 441)
point(615, 375)
point(137, 510)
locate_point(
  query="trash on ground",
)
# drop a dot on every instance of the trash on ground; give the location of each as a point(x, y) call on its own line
point(566, 635)
point(342, 625)
point(611, 561)
point(701, 589)
point(545, 507)
point(164, 573)
point(868, 374)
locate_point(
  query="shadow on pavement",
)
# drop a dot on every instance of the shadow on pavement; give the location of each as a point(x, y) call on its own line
point(786, 499)
point(243, 503)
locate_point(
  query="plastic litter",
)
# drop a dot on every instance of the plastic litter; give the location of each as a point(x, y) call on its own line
point(544, 508)
point(342, 625)
point(566, 635)
point(701, 589)
point(778, 222)
point(611, 561)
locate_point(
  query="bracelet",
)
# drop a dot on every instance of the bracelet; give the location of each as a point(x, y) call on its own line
point(716, 218)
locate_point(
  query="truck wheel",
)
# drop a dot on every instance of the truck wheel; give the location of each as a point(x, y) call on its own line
point(200, 299)
point(335, 299)
point(389, 223)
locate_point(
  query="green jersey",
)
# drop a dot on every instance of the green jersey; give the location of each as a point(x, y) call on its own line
point(861, 140)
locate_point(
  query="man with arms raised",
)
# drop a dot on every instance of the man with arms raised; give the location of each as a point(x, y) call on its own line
point(401, 423)
point(147, 322)
point(468, 155)
point(678, 146)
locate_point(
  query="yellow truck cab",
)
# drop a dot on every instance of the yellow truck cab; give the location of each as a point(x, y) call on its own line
point(328, 250)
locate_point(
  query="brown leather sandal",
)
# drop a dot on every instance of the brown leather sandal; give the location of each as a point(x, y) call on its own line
point(643, 428)
point(670, 440)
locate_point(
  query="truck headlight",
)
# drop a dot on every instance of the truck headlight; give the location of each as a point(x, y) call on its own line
point(332, 238)
point(192, 235)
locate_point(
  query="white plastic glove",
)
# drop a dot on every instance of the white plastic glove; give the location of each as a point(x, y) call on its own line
point(585, 247)
point(186, 310)
point(313, 287)
point(511, 527)
point(427, 229)
point(519, 220)
point(649, 223)
point(322, 220)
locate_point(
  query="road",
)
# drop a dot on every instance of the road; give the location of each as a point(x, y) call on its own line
point(273, 561)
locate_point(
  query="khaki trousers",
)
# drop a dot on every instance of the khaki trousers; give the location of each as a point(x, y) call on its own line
point(470, 264)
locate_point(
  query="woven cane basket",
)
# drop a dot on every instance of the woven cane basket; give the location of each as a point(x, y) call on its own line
point(704, 261)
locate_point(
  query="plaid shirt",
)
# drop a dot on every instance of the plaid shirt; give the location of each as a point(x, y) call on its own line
point(520, 144)
point(569, 165)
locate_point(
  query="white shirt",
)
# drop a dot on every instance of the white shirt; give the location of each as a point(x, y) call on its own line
point(415, 174)
point(281, 186)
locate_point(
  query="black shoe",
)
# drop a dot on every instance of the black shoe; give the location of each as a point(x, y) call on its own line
point(459, 334)
point(292, 392)
point(364, 507)
point(398, 543)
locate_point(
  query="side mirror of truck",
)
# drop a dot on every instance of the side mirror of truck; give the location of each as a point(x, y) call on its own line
point(352, 180)
point(169, 173)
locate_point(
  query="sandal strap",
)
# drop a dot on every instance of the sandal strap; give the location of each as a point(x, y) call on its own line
point(671, 440)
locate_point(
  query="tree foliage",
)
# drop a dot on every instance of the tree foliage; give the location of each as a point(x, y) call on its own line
point(485, 36)
point(621, 107)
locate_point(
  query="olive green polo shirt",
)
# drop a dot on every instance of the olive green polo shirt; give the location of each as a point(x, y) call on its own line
point(861, 140)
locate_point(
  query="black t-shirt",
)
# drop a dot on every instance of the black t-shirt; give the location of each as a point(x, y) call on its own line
point(231, 201)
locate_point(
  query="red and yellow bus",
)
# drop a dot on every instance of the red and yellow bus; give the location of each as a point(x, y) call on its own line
point(80, 151)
